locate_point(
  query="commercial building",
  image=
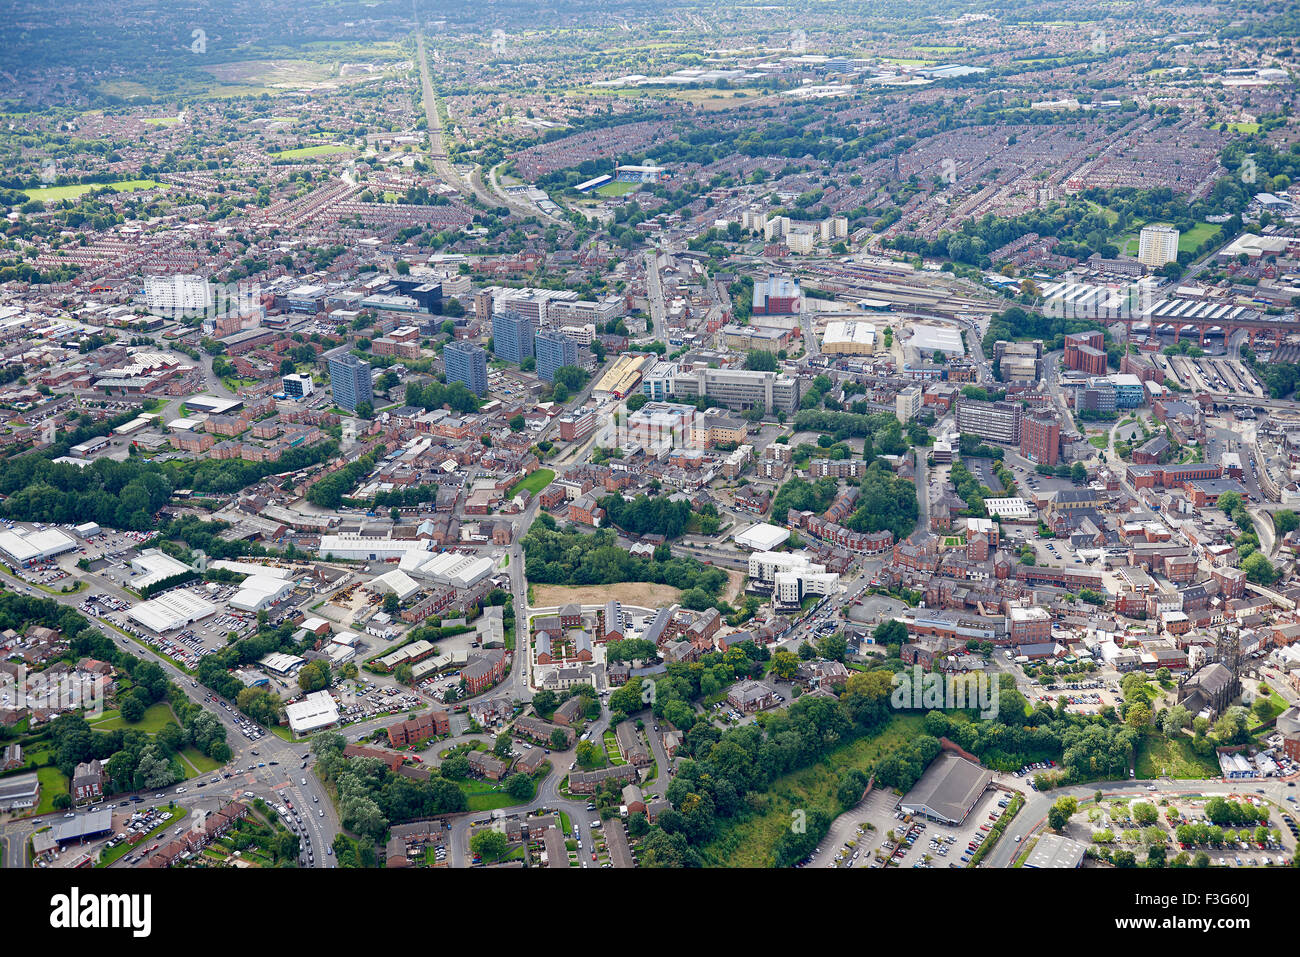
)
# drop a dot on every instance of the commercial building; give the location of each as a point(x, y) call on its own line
point(735, 388)
point(172, 611)
point(298, 386)
point(261, 591)
point(849, 338)
point(1040, 437)
point(466, 363)
point(315, 712)
point(1157, 245)
point(776, 296)
point(553, 350)
point(1086, 352)
point(351, 382)
point(948, 790)
point(512, 336)
point(996, 421)
point(26, 547)
point(763, 537)
point(1056, 851)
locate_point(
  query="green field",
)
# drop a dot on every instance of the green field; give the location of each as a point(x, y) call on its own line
point(156, 716)
point(53, 783)
point(162, 120)
point(750, 843)
point(483, 798)
point(55, 193)
point(1247, 128)
point(194, 760)
point(307, 152)
point(617, 189)
point(1187, 241)
point(534, 483)
point(1159, 756)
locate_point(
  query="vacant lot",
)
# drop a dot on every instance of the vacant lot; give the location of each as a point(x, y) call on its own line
point(641, 594)
point(751, 843)
point(534, 483)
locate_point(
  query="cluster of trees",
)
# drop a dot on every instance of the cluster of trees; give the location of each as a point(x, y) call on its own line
point(330, 491)
point(128, 494)
point(572, 558)
point(370, 796)
point(886, 502)
point(435, 395)
point(804, 496)
point(648, 516)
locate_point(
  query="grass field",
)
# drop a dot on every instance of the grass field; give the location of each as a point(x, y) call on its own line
point(1187, 241)
point(641, 594)
point(1247, 128)
point(53, 194)
point(53, 783)
point(482, 798)
point(1161, 757)
point(194, 760)
point(611, 749)
point(534, 483)
point(308, 152)
point(162, 120)
point(751, 842)
point(617, 189)
point(156, 716)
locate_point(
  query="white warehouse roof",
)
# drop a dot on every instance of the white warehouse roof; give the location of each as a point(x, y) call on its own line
point(34, 546)
point(762, 537)
point(312, 713)
point(171, 611)
point(397, 582)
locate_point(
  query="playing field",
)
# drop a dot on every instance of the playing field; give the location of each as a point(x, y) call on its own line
point(308, 152)
point(617, 189)
point(72, 191)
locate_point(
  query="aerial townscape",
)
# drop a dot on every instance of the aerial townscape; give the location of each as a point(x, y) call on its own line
point(617, 435)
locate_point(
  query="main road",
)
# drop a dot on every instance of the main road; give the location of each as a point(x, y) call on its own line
point(438, 150)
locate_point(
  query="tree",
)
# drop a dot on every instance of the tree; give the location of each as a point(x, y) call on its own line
point(392, 604)
point(519, 787)
point(833, 647)
point(313, 676)
point(503, 745)
point(1061, 811)
point(132, 709)
point(1259, 570)
point(559, 740)
point(455, 768)
point(1285, 521)
point(489, 845)
point(545, 703)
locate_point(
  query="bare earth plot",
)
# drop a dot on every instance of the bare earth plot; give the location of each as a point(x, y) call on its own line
point(641, 594)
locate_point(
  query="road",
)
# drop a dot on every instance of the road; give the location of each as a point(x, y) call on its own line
point(438, 150)
point(655, 295)
point(1033, 816)
point(262, 781)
